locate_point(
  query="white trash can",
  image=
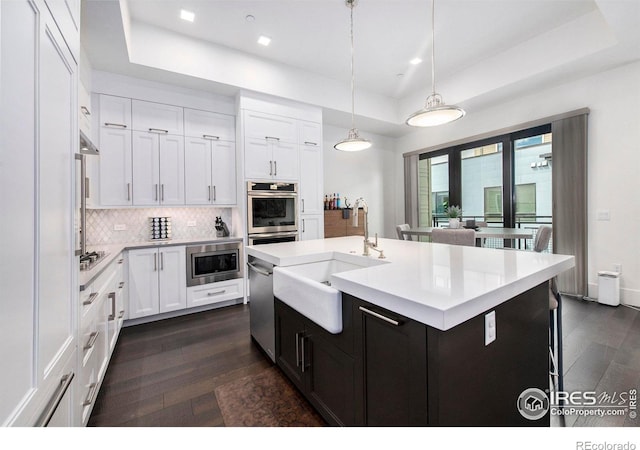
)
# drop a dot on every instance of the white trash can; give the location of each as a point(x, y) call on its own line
point(609, 288)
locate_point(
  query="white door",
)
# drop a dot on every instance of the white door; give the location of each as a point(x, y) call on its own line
point(310, 133)
point(285, 161)
point(311, 227)
point(224, 173)
point(205, 124)
point(173, 279)
point(146, 170)
point(143, 283)
point(311, 180)
point(197, 171)
point(259, 125)
point(157, 117)
point(115, 112)
point(171, 170)
point(115, 167)
point(258, 159)
point(57, 321)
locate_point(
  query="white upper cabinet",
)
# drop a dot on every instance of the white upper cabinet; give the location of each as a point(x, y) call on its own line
point(270, 159)
point(115, 167)
point(210, 172)
point(259, 125)
point(311, 180)
point(157, 117)
point(209, 125)
point(115, 112)
point(310, 133)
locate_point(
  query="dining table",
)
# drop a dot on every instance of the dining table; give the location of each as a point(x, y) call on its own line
point(514, 234)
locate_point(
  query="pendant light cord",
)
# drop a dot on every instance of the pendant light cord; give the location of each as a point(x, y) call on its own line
point(433, 48)
point(353, 88)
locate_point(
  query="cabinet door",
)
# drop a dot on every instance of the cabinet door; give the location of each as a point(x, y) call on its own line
point(197, 171)
point(143, 283)
point(173, 279)
point(146, 169)
point(171, 170)
point(223, 173)
point(392, 355)
point(115, 112)
point(311, 180)
point(289, 334)
point(205, 124)
point(285, 161)
point(115, 167)
point(312, 226)
point(57, 320)
point(264, 126)
point(310, 133)
point(157, 117)
point(84, 113)
point(258, 159)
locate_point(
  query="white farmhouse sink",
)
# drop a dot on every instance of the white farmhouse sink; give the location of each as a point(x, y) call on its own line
point(306, 288)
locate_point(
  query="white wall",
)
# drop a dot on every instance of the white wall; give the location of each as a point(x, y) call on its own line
point(613, 160)
point(369, 174)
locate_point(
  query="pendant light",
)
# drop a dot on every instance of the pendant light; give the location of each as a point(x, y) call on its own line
point(435, 111)
point(353, 142)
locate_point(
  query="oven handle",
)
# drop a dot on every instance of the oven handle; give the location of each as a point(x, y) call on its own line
point(282, 194)
point(264, 272)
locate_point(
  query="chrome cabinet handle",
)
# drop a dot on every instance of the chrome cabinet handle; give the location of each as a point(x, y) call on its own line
point(275, 168)
point(161, 261)
point(156, 187)
point(162, 192)
point(111, 124)
point(211, 294)
point(128, 192)
point(158, 130)
point(93, 337)
point(297, 350)
point(214, 194)
point(112, 296)
point(121, 285)
point(302, 205)
point(272, 137)
point(93, 389)
point(50, 410)
point(155, 262)
point(121, 260)
point(121, 315)
point(87, 187)
point(91, 298)
point(310, 143)
point(209, 192)
point(379, 316)
point(85, 110)
point(302, 363)
point(303, 225)
point(271, 168)
point(210, 137)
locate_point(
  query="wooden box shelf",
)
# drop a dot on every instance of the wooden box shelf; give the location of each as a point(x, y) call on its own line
point(336, 226)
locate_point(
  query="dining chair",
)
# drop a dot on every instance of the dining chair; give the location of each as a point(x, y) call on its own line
point(455, 237)
point(403, 227)
point(543, 236)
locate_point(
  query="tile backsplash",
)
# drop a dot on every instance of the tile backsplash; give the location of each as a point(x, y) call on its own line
point(116, 226)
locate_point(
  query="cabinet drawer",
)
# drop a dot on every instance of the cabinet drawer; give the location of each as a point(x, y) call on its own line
point(156, 117)
point(214, 292)
point(91, 337)
point(264, 126)
point(88, 388)
point(209, 125)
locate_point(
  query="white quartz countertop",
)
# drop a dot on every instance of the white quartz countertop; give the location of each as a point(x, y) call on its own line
point(437, 284)
point(86, 277)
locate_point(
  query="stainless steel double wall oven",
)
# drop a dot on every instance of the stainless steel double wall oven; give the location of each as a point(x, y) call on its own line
point(272, 212)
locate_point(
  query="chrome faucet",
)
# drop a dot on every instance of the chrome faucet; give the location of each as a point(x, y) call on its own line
point(367, 243)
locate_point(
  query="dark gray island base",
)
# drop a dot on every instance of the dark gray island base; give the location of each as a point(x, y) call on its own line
point(384, 369)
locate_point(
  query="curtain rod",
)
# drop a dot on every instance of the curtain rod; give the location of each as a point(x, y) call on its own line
point(507, 130)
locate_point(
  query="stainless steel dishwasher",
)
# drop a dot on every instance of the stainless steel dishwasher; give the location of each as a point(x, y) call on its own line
point(261, 314)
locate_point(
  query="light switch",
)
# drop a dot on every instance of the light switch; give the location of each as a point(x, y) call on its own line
point(603, 214)
point(489, 328)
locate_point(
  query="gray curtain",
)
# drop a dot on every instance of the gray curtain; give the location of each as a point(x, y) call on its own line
point(569, 187)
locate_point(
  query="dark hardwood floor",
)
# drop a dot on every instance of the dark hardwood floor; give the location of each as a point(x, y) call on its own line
point(164, 373)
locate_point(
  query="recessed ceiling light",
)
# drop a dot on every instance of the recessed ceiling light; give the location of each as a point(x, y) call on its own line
point(249, 18)
point(187, 15)
point(264, 40)
point(415, 61)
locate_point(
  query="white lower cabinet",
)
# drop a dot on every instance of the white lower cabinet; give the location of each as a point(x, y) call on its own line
point(311, 226)
point(157, 281)
point(208, 294)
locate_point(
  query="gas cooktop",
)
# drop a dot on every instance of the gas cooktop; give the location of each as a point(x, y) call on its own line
point(90, 259)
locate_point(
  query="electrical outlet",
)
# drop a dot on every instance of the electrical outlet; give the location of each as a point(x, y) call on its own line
point(603, 214)
point(617, 268)
point(191, 223)
point(489, 328)
point(120, 227)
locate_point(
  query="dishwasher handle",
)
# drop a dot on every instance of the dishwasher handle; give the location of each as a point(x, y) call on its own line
point(261, 271)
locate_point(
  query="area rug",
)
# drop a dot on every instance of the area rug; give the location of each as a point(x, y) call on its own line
point(266, 399)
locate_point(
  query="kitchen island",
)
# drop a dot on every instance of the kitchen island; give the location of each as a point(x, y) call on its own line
point(412, 347)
